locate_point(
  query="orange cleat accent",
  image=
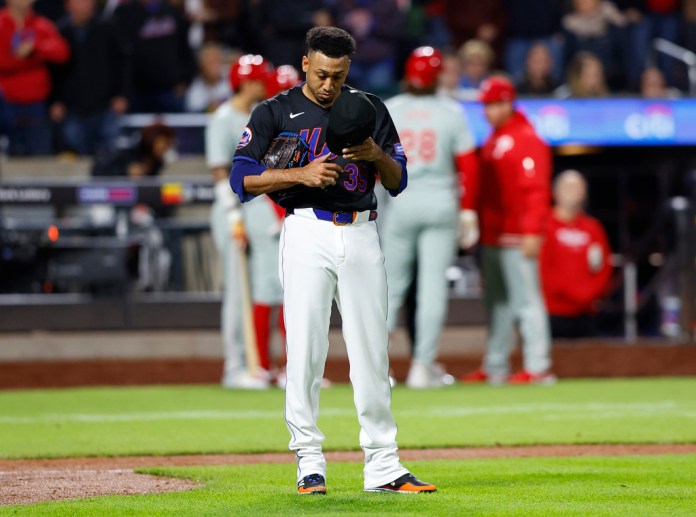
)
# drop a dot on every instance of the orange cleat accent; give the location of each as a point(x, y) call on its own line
point(406, 484)
point(314, 484)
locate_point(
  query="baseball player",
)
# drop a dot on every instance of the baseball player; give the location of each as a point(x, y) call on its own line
point(576, 247)
point(248, 77)
point(422, 223)
point(512, 199)
point(330, 251)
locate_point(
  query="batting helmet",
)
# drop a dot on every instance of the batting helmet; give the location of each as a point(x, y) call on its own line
point(249, 67)
point(284, 77)
point(423, 66)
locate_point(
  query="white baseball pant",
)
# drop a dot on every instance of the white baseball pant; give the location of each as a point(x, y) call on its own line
point(320, 262)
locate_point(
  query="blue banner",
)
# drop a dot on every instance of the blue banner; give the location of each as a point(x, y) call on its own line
point(609, 122)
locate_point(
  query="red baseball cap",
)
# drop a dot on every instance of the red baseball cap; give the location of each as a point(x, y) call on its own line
point(497, 89)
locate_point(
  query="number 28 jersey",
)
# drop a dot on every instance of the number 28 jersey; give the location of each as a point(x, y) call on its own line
point(292, 111)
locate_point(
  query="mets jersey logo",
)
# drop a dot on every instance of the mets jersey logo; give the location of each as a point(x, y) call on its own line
point(246, 138)
point(399, 150)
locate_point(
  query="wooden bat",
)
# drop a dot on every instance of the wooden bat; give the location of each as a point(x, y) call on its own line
point(252, 353)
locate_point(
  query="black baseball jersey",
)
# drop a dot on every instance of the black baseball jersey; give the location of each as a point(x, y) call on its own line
point(292, 111)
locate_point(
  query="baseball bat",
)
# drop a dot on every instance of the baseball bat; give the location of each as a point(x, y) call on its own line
point(252, 353)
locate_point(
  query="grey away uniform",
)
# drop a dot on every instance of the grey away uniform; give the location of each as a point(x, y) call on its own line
point(422, 223)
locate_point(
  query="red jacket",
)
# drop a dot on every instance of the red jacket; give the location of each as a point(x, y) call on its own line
point(575, 268)
point(27, 80)
point(511, 190)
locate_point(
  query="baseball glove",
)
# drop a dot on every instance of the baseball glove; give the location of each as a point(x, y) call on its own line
point(287, 150)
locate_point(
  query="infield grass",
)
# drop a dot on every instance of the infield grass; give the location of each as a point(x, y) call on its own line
point(208, 419)
point(614, 486)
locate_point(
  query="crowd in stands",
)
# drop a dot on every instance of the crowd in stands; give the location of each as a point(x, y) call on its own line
point(69, 68)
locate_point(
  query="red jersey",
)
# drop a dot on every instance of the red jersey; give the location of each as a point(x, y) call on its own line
point(28, 80)
point(575, 268)
point(511, 190)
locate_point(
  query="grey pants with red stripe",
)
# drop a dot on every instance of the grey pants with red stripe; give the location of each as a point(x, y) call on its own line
point(512, 292)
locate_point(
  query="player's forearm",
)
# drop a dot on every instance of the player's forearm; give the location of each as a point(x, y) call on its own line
point(389, 171)
point(270, 181)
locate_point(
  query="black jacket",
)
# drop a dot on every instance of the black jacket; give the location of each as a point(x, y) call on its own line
point(98, 69)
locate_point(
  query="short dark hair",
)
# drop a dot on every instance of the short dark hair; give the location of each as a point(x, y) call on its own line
point(330, 41)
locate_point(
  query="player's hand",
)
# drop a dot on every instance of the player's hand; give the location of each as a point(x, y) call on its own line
point(468, 229)
point(531, 246)
point(238, 233)
point(319, 173)
point(368, 151)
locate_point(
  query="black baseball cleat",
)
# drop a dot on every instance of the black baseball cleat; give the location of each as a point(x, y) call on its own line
point(406, 484)
point(314, 484)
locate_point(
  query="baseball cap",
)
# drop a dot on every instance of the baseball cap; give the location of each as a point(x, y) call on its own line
point(497, 89)
point(351, 120)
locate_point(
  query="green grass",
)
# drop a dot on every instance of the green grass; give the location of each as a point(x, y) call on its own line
point(630, 486)
point(207, 419)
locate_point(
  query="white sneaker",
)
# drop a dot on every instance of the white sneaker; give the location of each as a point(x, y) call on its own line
point(421, 376)
point(245, 381)
point(447, 379)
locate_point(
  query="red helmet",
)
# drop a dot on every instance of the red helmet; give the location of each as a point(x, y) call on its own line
point(423, 66)
point(249, 67)
point(284, 77)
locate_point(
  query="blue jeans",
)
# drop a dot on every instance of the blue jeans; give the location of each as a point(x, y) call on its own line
point(86, 134)
point(27, 128)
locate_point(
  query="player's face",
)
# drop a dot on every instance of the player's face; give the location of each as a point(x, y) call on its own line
point(497, 113)
point(325, 76)
point(571, 192)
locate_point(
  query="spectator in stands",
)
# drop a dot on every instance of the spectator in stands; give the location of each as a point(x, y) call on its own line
point(585, 78)
point(448, 80)
point(157, 37)
point(377, 28)
point(538, 76)
point(637, 40)
point(664, 20)
point(474, 19)
point(28, 44)
point(531, 22)
point(654, 86)
point(221, 20)
point(576, 247)
point(286, 25)
point(689, 20)
point(210, 88)
point(152, 149)
point(91, 90)
point(595, 26)
point(476, 58)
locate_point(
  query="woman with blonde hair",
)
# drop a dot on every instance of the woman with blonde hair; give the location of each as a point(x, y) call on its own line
point(585, 78)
